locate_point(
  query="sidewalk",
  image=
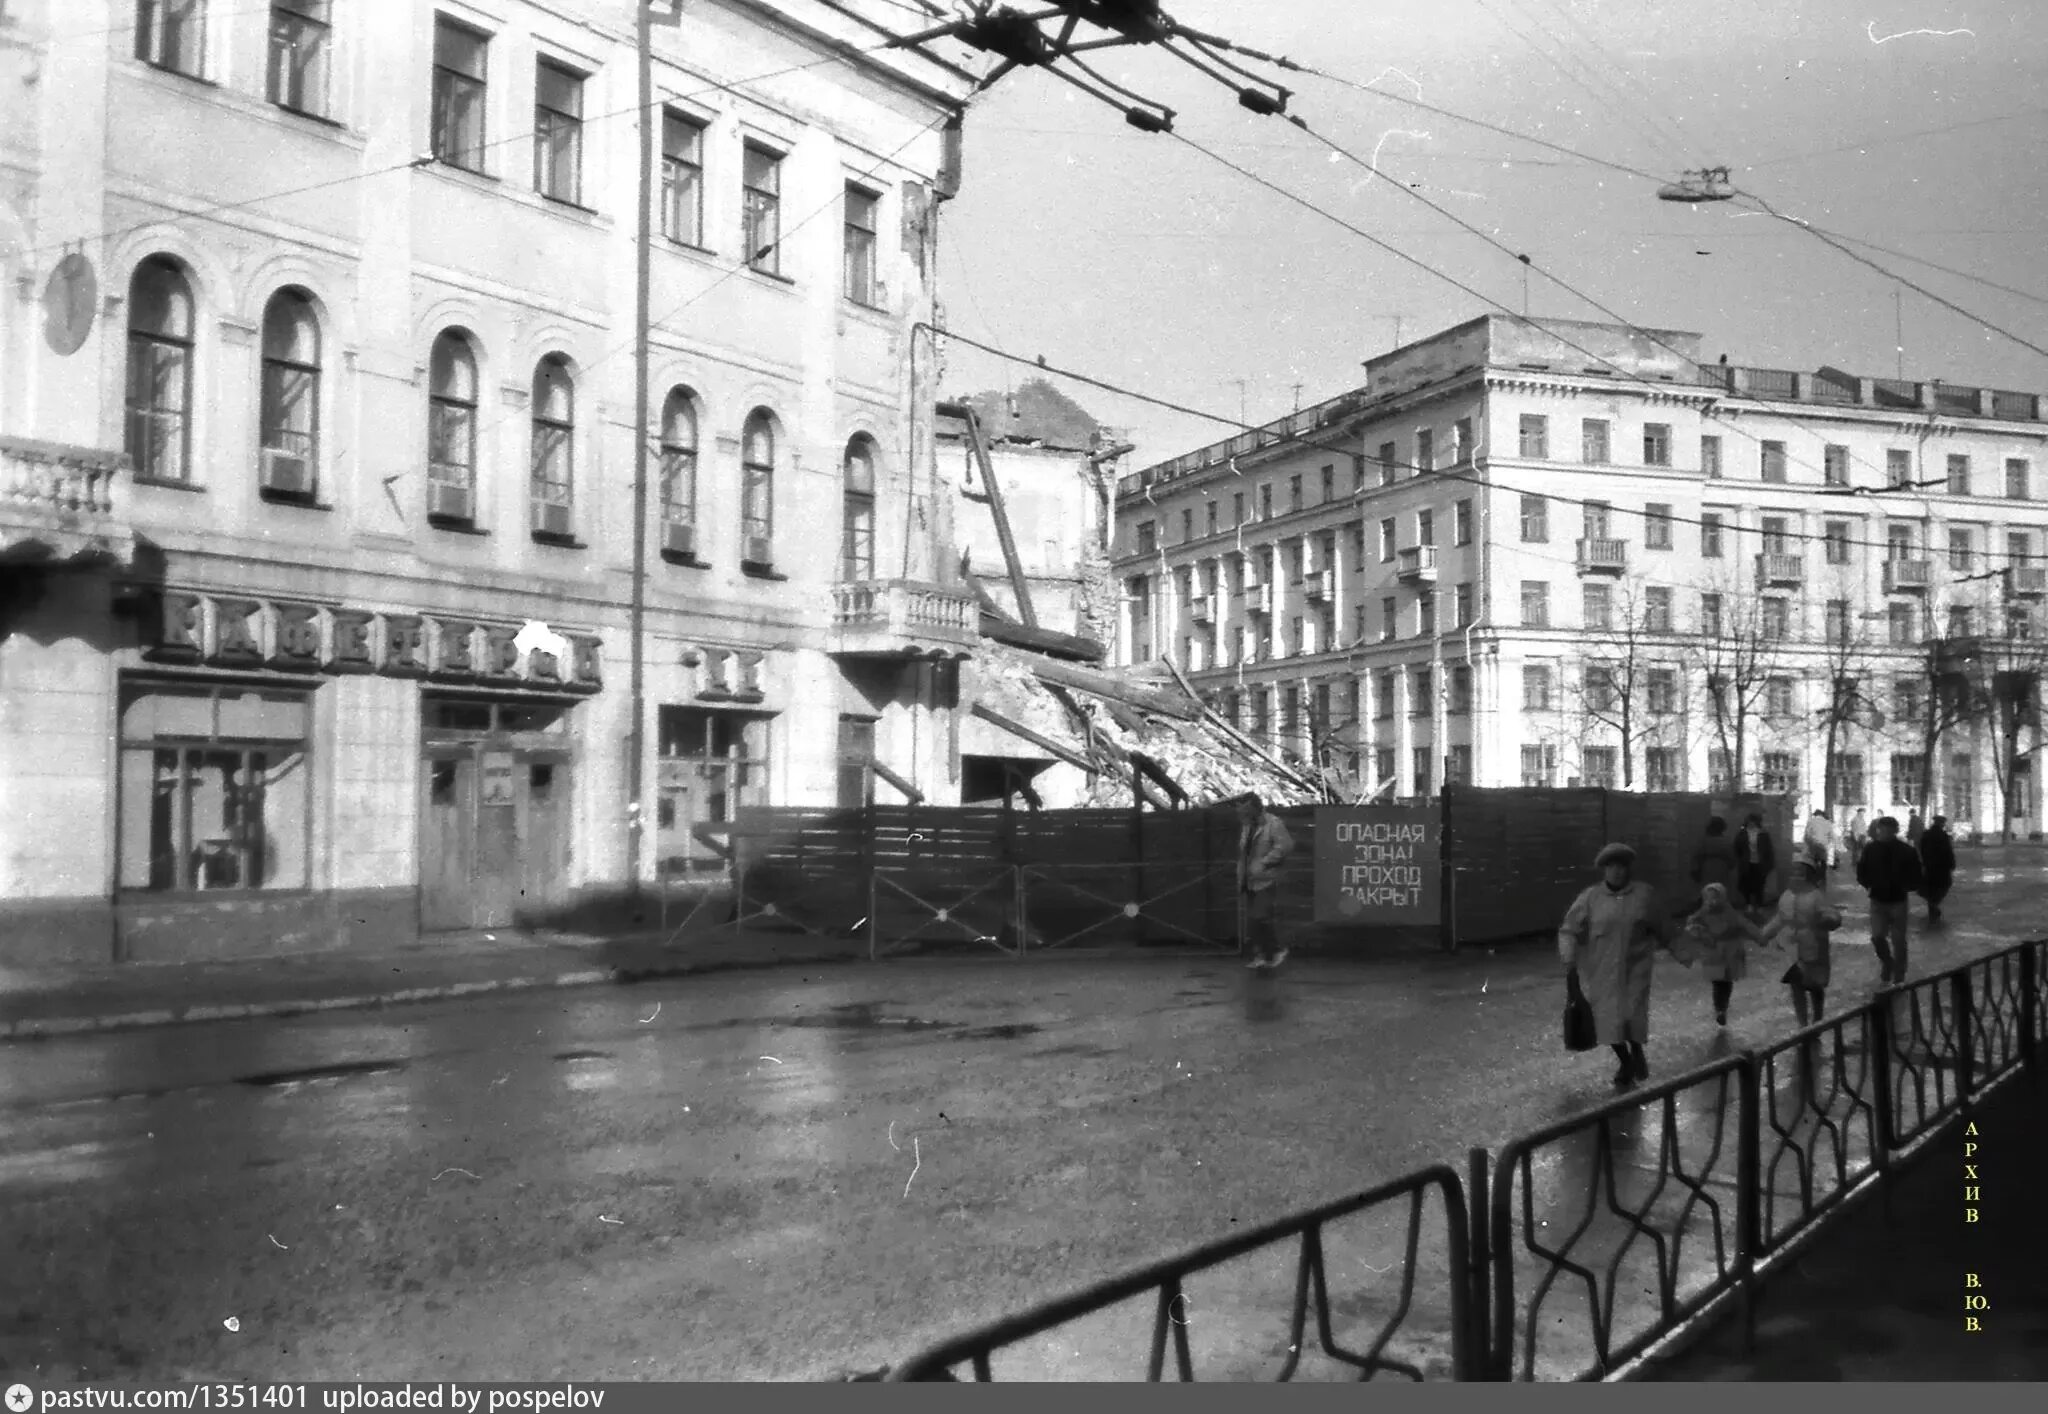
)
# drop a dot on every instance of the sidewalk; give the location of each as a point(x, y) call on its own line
point(1883, 1300)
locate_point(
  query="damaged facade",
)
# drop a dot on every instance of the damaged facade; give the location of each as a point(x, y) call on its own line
point(317, 512)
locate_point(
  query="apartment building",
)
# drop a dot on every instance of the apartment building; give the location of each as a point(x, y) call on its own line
point(317, 463)
point(1567, 552)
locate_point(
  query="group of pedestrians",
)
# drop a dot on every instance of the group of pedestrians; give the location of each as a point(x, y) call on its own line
point(1612, 930)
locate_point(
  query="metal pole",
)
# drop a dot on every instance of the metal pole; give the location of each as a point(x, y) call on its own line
point(642, 257)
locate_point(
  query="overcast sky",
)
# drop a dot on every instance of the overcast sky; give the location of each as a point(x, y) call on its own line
point(1135, 258)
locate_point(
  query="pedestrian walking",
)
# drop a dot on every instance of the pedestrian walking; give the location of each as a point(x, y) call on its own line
point(1820, 843)
point(1804, 921)
point(1889, 873)
point(1756, 855)
point(1722, 937)
point(1859, 836)
point(1263, 842)
point(1914, 828)
point(1937, 866)
point(1713, 860)
point(1607, 942)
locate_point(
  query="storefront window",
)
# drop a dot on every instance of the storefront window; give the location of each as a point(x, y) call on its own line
point(712, 764)
point(214, 791)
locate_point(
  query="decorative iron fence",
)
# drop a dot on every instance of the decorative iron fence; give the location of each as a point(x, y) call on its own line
point(1692, 1191)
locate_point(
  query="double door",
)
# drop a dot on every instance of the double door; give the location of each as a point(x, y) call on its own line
point(494, 834)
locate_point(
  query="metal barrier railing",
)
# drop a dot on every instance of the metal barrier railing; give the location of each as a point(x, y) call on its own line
point(1820, 1118)
point(952, 905)
point(1173, 1318)
point(1050, 902)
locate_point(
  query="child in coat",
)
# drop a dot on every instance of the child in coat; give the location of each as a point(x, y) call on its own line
point(1805, 919)
point(1720, 936)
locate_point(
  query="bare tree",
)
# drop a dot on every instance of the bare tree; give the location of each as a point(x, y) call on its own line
point(1740, 647)
point(1847, 659)
point(1612, 685)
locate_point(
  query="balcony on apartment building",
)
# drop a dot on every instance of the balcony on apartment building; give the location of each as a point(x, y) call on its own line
point(2026, 582)
point(59, 504)
point(1833, 387)
point(1603, 556)
point(1200, 610)
point(1258, 597)
point(1416, 564)
point(900, 618)
point(1908, 576)
point(1315, 586)
point(1776, 570)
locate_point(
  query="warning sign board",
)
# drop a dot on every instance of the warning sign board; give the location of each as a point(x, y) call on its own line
point(1379, 864)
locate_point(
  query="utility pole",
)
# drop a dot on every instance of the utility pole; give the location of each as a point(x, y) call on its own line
point(636, 735)
point(1297, 395)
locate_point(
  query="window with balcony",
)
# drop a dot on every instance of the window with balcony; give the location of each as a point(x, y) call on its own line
point(857, 517)
point(1598, 520)
point(1772, 461)
point(460, 55)
point(1535, 688)
point(551, 486)
point(2016, 479)
point(171, 34)
point(1593, 442)
point(1461, 523)
point(1535, 520)
point(290, 413)
point(761, 208)
point(451, 431)
point(1660, 693)
point(1898, 468)
point(1958, 475)
point(1535, 436)
point(679, 474)
point(1602, 766)
point(1781, 773)
point(682, 179)
point(1657, 609)
point(1710, 457)
point(1775, 534)
point(1962, 553)
point(1657, 526)
point(159, 398)
point(1710, 535)
point(1835, 541)
point(1425, 527)
point(1597, 607)
point(1535, 604)
point(300, 31)
point(1962, 621)
point(558, 132)
point(1656, 444)
point(1834, 465)
point(1899, 624)
point(757, 491)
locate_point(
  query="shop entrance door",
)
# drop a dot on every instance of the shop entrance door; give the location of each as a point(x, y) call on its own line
point(494, 816)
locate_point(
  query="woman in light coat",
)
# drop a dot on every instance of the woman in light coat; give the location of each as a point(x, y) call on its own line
point(1722, 936)
point(1609, 938)
point(1805, 918)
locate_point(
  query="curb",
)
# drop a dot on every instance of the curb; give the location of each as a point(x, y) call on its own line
point(37, 1028)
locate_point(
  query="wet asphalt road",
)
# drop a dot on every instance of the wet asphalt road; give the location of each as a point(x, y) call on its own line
point(766, 1175)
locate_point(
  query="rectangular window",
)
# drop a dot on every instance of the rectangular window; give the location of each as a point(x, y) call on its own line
point(1906, 768)
point(861, 218)
point(1383, 767)
point(1847, 771)
point(1187, 525)
point(1781, 773)
point(1593, 445)
point(1390, 618)
point(1838, 621)
point(1597, 607)
point(1387, 460)
point(1461, 689)
point(1148, 537)
point(1898, 468)
point(1425, 451)
point(1535, 430)
point(1383, 694)
point(1425, 615)
point(1458, 766)
point(1461, 523)
point(2019, 547)
point(1600, 689)
point(682, 179)
point(1661, 693)
point(458, 108)
point(214, 788)
point(1777, 618)
point(1601, 763)
point(1720, 772)
point(1425, 527)
point(1835, 539)
point(1422, 784)
point(558, 133)
point(761, 208)
point(1961, 553)
point(1535, 520)
point(1898, 541)
point(1962, 623)
point(1657, 527)
point(1962, 786)
point(2016, 477)
point(1329, 483)
point(1463, 600)
point(1213, 508)
point(1772, 461)
point(1461, 442)
point(1907, 700)
point(1421, 693)
point(1834, 465)
point(1387, 539)
point(1774, 532)
point(1237, 508)
point(1657, 609)
point(1535, 604)
point(1710, 615)
point(1710, 535)
point(1899, 622)
point(1266, 501)
point(1535, 688)
point(1958, 475)
point(1294, 493)
point(1656, 444)
point(171, 34)
point(1710, 457)
point(1778, 698)
point(1539, 767)
point(1663, 770)
point(299, 35)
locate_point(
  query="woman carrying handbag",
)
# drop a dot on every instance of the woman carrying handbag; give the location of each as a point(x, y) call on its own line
point(1611, 934)
point(1805, 914)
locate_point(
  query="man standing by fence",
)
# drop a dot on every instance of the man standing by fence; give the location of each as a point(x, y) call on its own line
point(1262, 843)
point(1889, 873)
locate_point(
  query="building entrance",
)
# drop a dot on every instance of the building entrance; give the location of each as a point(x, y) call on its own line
point(494, 812)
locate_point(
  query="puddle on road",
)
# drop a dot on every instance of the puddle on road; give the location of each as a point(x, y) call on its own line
point(314, 1075)
point(868, 1016)
point(582, 1055)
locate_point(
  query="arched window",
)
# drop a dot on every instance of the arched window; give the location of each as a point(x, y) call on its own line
point(554, 446)
point(291, 396)
point(857, 522)
point(679, 474)
point(451, 430)
point(159, 433)
point(757, 491)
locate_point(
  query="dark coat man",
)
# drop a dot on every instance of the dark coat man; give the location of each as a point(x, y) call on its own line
point(1755, 857)
point(1937, 866)
point(1889, 872)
